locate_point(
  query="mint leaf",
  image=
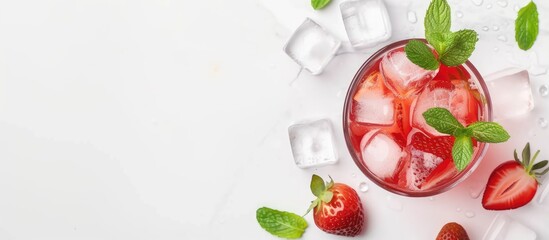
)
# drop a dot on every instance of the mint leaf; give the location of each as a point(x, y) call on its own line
point(526, 26)
point(462, 44)
point(419, 53)
point(489, 132)
point(319, 4)
point(317, 186)
point(440, 41)
point(281, 224)
point(437, 18)
point(442, 120)
point(462, 152)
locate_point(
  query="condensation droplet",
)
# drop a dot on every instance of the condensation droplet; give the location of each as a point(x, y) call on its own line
point(412, 17)
point(431, 199)
point(474, 192)
point(459, 14)
point(470, 214)
point(495, 28)
point(502, 3)
point(477, 2)
point(363, 187)
point(393, 203)
point(542, 122)
point(502, 38)
point(488, 6)
point(544, 90)
point(485, 28)
point(353, 175)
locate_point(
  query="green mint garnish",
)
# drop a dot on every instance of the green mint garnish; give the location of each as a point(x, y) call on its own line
point(526, 26)
point(420, 54)
point(281, 224)
point(453, 48)
point(462, 152)
point(319, 4)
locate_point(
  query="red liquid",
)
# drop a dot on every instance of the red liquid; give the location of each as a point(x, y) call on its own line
point(417, 169)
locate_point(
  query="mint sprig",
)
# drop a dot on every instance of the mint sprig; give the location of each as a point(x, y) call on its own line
point(319, 4)
point(527, 26)
point(452, 48)
point(281, 224)
point(462, 152)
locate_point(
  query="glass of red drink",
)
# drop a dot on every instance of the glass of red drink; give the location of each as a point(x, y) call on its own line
point(386, 133)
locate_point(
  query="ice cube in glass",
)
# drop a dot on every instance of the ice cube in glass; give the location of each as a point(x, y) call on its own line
point(381, 153)
point(313, 143)
point(366, 22)
point(311, 46)
point(402, 76)
point(505, 228)
point(374, 102)
point(510, 92)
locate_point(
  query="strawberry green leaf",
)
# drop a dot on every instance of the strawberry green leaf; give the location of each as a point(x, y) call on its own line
point(462, 44)
point(540, 165)
point(327, 196)
point(281, 224)
point(317, 186)
point(442, 120)
point(526, 155)
point(489, 132)
point(527, 26)
point(419, 53)
point(462, 152)
point(437, 18)
point(319, 4)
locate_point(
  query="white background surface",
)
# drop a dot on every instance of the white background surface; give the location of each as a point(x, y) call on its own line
point(168, 119)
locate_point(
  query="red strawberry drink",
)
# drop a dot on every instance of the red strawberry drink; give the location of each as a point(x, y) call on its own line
point(386, 133)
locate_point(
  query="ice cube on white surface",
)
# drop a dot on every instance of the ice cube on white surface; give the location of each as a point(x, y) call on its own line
point(402, 76)
point(313, 143)
point(380, 153)
point(311, 46)
point(510, 92)
point(366, 22)
point(506, 228)
point(373, 105)
point(453, 95)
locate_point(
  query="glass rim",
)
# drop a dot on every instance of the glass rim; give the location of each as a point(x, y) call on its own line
point(460, 177)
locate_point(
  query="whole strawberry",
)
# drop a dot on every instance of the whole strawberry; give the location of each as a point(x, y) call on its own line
point(337, 209)
point(514, 183)
point(452, 231)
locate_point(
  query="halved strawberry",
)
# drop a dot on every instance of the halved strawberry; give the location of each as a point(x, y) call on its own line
point(337, 209)
point(445, 170)
point(439, 146)
point(452, 231)
point(514, 183)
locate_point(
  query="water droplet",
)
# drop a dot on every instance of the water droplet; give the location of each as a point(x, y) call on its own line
point(363, 187)
point(502, 3)
point(502, 38)
point(477, 2)
point(544, 90)
point(475, 191)
point(470, 214)
point(412, 17)
point(353, 175)
point(485, 28)
point(496, 49)
point(516, 8)
point(394, 203)
point(495, 27)
point(543, 122)
point(431, 199)
point(458, 209)
point(488, 6)
point(459, 14)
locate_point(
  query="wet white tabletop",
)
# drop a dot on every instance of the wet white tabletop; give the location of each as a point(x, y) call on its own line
point(168, 119)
